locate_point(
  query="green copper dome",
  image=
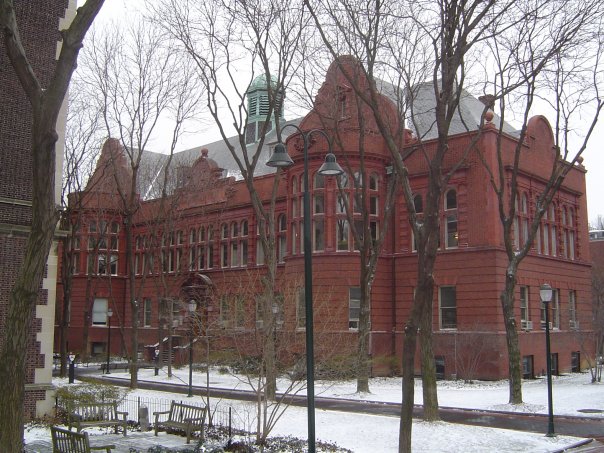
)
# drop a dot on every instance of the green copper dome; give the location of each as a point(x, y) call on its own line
point(259, 83)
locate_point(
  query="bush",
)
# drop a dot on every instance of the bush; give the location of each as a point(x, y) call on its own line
point(90, 392)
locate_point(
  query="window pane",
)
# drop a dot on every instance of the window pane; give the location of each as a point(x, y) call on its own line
point(418, 202)
point(452, 237)
point(451, 200)
point(448, 307)
point(342, 234)
point(319, 236)
point(354, 307)
point(99, 312)
point(319, 181)
point(319, 204)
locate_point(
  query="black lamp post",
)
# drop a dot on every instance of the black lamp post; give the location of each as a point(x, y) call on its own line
point(546, 293)
point(71, 367)
point(330, 167)
point(109, 315)
point(191, 307)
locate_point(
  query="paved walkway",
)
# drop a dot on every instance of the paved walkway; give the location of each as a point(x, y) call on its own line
point(133, 442)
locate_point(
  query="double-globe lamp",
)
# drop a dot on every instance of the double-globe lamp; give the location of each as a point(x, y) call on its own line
point(281, 159)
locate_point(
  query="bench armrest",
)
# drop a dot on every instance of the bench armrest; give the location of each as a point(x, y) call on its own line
point(124, 413)
point(161, 413)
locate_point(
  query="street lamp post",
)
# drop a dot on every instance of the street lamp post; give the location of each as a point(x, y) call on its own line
point(546, 293)
point(191, 306)
point(109, 315)
point(71, 367)
point(330, 167)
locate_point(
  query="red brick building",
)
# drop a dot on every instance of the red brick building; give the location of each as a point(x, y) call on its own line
point(39, 23)
point(210, 243)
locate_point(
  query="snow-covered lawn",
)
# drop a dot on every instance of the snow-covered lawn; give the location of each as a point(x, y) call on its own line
point(369, 433)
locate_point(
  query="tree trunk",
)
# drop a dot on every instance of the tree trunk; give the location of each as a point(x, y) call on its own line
point(428, 365)
point(24, 294)
point(363, 358)
point(406, 422)
point(514, 368)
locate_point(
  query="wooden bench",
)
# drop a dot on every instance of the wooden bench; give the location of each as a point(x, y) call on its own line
point(98, 414)
point(64, 441)
point(182, 417)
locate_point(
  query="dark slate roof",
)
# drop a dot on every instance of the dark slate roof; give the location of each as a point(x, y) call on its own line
point(153, 163)
point(467, 117)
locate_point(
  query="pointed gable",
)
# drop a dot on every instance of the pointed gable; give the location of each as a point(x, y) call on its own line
point(112, 172)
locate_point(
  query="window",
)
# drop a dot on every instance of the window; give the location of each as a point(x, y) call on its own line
point(259, 247)
point(244, 233)
point(575, 362)
point(354, 307)
point(319, 234)
point(318, 195)
point(451, 235)
point(524, 308)
point(277, 310)
point(572, 310)
point(448, 307)
point(232, 311)
point(147, 307)
point(554, 319)
point(301, 310)
point(527, 367)
point(439, 365)
point(342, 234)
point(555, 309)
point(75, 264)
point(235, 244)
point(192, 249)
point(281, 238)
point(224, 246)
point(521, 222)
point(99, 312)
point(553, 232)
point(418, 203)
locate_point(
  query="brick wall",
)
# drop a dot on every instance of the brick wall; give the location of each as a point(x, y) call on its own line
point(39, 29)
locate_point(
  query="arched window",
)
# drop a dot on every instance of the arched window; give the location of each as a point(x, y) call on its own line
point(451, 234)
point(553, 232)
point(281, 238)
point(192, 249)
point(571, 234)
point(244, 231)
point(224, 245)
point(418, 203)
point(318, 213)
point(235, 244)
point(524, 221)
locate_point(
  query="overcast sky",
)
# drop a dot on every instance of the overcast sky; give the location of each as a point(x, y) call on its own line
point(593, 155)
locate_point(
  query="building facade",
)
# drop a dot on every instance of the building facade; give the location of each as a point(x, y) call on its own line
point(207, 249)
point(39, 25)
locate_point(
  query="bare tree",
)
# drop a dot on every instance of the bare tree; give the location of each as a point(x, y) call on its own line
point(140, 80)
point(358, 226)
point(408, 43)
point(221, 37)
point(596, 363)
point(81, 144)
point(553, 54)
point(46, 102)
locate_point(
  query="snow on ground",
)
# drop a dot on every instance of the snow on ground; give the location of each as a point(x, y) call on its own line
point(369, 433)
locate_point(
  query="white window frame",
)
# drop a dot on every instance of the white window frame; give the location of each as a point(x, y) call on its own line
point(99, 312)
